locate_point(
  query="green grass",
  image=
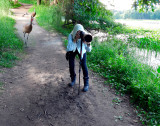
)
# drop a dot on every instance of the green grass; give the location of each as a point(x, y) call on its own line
point(14, 5)
point(113, 61)
point(49, 17)
point(9, 42)
point(28, 1)
point(10, 45)
point(150, 42)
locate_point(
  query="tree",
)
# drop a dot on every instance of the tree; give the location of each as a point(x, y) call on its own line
point(145, 4)
point(90, 13)
point(38, 2)
point(15, 1)
point(54, 2)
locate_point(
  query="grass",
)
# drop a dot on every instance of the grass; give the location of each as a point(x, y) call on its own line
point(112, 60)
point(14, 5)
point(10, 45)
point(150, 42)
point(49, 17)
point(28, 1)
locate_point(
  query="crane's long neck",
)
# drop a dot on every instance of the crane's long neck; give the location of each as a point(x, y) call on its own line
point(34, 10)
point(31, 21)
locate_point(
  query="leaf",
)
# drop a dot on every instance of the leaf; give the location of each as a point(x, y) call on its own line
point(158, 70)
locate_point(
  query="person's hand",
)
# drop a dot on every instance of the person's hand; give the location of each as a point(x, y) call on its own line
point(77, 36)
point(87, 43)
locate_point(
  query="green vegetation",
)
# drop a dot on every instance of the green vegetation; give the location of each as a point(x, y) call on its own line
point(28, 1)
point(150, 43)
point(142, 5)
point(10, 45)
point(92, 14)
point(133, 14)
point(49, 17)
point(112, 60)
point(14, 5)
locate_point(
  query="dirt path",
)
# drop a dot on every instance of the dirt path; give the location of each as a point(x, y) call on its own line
point(36, 92)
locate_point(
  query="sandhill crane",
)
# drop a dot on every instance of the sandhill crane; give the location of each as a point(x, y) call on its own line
point(27, 29)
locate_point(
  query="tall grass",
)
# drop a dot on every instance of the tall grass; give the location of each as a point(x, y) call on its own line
point(113, 61)
point(146, 42)
point(9, 42)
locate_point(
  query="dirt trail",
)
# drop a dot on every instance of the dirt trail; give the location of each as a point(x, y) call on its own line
point(36, 91)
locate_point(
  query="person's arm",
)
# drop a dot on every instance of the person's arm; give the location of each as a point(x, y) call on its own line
point(70, 41)
point(69, 46)
point(88, 46)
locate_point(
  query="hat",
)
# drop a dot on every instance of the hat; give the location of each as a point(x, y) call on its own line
point(77, 27)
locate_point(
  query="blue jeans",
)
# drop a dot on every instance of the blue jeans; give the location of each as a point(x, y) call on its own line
point(72, 64)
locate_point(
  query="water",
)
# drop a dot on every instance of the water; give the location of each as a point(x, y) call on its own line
point(145, 24)
point(150, 58)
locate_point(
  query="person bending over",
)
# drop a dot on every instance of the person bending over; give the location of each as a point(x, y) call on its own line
point(73, 49)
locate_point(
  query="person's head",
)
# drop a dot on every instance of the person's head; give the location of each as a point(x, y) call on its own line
point(77, 29)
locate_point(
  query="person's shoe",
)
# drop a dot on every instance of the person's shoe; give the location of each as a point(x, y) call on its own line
point(86, 84)
point(73, 81)
point(86, 88)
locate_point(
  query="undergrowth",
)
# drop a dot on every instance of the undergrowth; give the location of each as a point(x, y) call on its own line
point(113, 61)
point(10, 45)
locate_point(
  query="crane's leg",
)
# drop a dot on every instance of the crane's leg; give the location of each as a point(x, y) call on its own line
point(27, 39)
point(24, 39)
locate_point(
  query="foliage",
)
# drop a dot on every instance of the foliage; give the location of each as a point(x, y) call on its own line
point(132, 14)
point(34, 2)
point(145, 4)
point(28, 1)
point(113, 61)
point(49, 17)
point(4, 7)
point(146, 42)
point(14, 5)
point(9, 42)
point(90, 13)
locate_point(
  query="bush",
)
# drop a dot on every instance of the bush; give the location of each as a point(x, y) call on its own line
point(9, 42)
point(113, 61)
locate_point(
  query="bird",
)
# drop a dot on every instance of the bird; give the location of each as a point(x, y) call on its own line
point(25, 14)
point(33, 13)
point(27, 29)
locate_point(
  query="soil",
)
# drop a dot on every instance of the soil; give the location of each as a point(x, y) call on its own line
point(36, 92)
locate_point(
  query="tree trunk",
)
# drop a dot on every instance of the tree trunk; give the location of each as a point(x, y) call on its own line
point(15, 1)
point(45, 1)
point(54, 2)
point(38, 2)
